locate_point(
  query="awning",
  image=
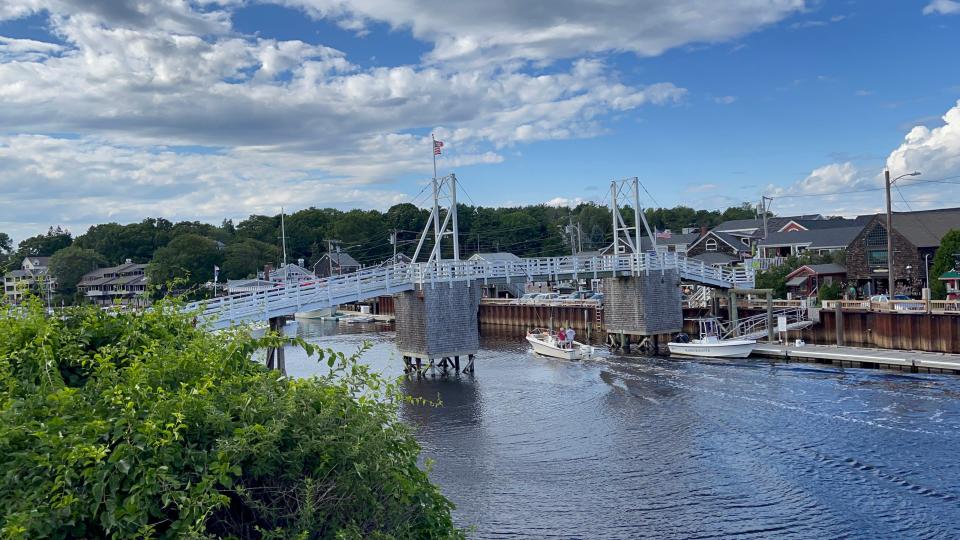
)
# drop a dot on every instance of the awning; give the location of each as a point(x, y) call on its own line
point(797, 281)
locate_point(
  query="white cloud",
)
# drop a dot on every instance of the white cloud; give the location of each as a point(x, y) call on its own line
point(506, 30)
point(701, 188)
point(849, 190)
point(268, 121)
point(725, 100)
point(942, 7)
point(565, 202)
point(95, 181)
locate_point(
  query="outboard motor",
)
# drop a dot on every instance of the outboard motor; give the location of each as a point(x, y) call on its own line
point(681, 338)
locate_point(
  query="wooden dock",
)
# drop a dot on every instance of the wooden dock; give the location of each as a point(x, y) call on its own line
point(913, 361)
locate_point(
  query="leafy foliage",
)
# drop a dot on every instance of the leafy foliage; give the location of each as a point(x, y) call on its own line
point(44, 245)
point(776, 277)
point(830, 291)
point(943, 261)
point(186, 256)
point(70, 264)
point(123, 426)
point(528, 231)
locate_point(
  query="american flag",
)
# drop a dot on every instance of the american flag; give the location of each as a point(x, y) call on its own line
point(663, 234)
point(437, 145)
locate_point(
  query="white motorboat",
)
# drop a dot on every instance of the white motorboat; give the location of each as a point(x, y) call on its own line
point(710, 345)
point(546, 344)
point(358, 319)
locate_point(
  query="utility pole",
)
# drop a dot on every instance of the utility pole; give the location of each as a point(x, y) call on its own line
point(764, 208)
point(393, 240)
point(330, 244)
point(570, 231)
point(890, 277)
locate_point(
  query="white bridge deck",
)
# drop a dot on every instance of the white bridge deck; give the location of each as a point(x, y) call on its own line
point(288, 299)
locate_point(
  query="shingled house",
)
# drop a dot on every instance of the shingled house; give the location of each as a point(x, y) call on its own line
point(736, 239)
point(125, 284)
point(915, 234)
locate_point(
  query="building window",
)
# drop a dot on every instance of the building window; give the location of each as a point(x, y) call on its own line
point(877, 257)
point(711, 244)
point(746, 241)
point(876, 237)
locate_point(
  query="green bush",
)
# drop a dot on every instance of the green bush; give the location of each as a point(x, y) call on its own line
point(830, 291)
point(142, 426)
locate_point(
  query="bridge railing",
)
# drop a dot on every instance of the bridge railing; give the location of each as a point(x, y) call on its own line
point(373, 281)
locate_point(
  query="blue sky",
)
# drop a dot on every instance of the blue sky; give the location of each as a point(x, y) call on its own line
point(119, 110)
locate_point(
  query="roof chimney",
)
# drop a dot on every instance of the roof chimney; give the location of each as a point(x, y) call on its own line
point(129, 261)
point(703, 230)
point(300, 261)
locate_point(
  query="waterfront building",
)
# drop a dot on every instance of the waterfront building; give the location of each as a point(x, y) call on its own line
point(738, 238)
point(667, 242)
point(916, 237)
point(33, 276)
point(820, 240)
point(952, 280)
point(125, 284)
point(336, 263)
point(502, 290)
point(805, 282)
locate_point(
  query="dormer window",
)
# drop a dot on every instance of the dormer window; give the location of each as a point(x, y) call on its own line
point(746, 241)
point(711, 244)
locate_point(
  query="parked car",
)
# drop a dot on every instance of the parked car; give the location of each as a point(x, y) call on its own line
point(579, 295)
point(547, 296)
point(902, 302)
point(528, 297)
point(598, 297)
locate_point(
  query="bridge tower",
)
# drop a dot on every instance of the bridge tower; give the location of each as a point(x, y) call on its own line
point(645, 306)
point(437, 322)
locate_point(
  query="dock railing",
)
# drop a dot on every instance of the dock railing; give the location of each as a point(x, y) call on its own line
point(896, 306)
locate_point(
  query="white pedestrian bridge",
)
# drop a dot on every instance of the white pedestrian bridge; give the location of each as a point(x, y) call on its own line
point(288, 299)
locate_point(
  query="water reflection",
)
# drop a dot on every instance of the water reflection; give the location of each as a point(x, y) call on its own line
point(627, 447)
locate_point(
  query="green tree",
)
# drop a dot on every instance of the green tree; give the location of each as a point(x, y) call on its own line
point(145, 426)
point(943, 261)
point(45, 245)
point(69, 264)
point(6, 243)
point(830, 291)
point(188, 256)
point(135, 241)
point(243, 258)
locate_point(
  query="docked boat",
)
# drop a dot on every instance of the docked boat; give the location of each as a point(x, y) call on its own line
point(546, 344)
point(358, 319)
point(710, 344)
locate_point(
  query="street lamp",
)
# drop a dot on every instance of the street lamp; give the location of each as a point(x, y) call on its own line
point(890, 277)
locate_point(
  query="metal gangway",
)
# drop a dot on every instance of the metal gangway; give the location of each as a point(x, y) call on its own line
point(290, 298)
point(757, 326)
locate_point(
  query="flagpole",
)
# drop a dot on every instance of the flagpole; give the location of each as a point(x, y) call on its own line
point(433, 148)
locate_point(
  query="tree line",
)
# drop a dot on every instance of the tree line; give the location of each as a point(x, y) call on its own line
point(189, 250)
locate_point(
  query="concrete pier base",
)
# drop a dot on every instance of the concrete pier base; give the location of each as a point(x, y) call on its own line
point(437, 324)
point(642, 309)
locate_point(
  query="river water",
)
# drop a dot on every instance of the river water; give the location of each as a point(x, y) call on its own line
point(638, 447)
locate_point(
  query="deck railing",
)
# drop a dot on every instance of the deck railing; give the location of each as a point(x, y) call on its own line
point(896, 306)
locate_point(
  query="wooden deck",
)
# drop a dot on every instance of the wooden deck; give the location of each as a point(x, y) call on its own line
point(914, 361)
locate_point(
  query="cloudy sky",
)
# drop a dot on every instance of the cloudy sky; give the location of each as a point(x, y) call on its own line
point(114, 110)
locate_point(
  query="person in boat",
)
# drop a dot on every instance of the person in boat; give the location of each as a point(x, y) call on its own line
point(560, 337)
point(570, 334)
